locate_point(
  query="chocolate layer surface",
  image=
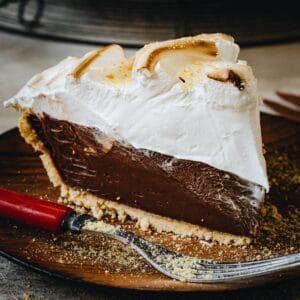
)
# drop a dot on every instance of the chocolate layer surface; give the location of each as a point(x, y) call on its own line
point(184, 190)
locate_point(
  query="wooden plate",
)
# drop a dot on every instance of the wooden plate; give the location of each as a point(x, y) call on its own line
point(99, 260)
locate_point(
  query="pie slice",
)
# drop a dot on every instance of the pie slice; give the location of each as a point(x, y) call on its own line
point(169, 138)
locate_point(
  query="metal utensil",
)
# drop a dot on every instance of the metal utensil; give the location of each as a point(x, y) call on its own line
point(55, 218)
point(284, 111)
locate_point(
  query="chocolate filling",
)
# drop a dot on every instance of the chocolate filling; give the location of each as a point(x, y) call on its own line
point(179, 189)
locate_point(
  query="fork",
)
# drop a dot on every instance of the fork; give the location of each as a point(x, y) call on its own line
point(191, 269)
point(284, 111)
point(56, 218)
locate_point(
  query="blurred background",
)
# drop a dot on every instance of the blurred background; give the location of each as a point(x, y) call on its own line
point(136, 22)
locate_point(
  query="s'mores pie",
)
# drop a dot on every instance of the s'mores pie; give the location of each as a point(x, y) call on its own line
point(169, 138)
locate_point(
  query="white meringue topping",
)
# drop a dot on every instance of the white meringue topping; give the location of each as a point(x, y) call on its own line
point(189, 98)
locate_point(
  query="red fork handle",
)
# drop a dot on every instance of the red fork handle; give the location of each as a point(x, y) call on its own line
point(32, 211)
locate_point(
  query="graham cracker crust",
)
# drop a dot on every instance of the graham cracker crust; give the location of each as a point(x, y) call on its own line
point(100, 207)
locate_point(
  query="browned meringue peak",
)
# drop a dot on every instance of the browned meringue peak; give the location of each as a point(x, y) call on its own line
point(102, 58)
point(199, 47)
point(228, 75)
point(239, 72)
point(214, 36)
point(238, 75)
point(111, 65)
point(121, 73)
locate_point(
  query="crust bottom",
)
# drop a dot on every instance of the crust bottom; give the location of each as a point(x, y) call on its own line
point(100, 207)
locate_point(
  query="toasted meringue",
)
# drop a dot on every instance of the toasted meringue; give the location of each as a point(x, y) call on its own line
point(101, 58)
point(175, 97)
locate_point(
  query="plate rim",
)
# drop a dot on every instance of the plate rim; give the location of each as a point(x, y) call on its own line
point(254, 281)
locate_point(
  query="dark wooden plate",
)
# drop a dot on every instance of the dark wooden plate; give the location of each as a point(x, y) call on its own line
point(99, 260)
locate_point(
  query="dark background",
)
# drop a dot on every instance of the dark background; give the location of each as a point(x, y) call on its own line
point(135, 22)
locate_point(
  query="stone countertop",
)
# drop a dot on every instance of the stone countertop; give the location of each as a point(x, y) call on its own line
point(21, 58)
